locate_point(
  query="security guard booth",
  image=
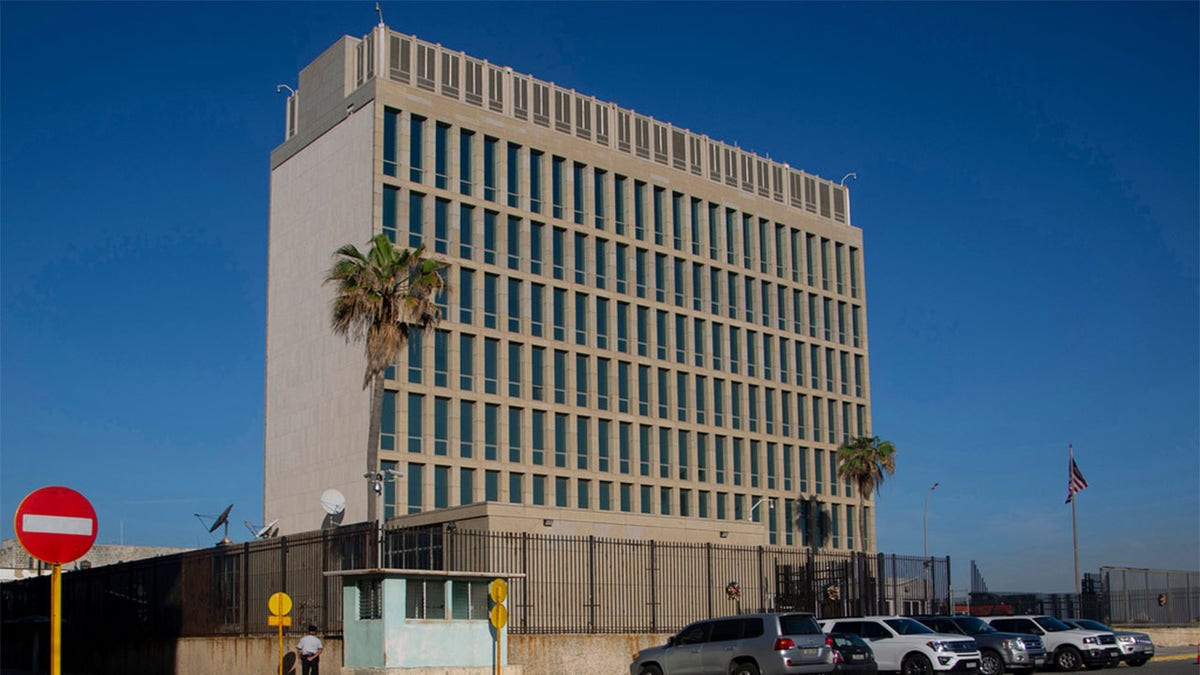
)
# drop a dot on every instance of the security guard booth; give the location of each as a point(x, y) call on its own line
point(423, 619)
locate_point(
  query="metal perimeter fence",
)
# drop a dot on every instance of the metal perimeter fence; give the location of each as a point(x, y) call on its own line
point(1151, 596)
point(559, 584)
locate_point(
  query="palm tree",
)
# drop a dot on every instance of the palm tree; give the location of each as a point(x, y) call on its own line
point(867, 461)
point(382, 296)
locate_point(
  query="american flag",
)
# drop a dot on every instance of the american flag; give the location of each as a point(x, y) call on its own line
point(1075, 483)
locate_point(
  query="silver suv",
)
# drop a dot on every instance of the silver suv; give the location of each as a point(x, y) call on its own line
point(1069, 647)
point(1136, 648)
point(787, 643)
point(998, 651)
point(908, 646)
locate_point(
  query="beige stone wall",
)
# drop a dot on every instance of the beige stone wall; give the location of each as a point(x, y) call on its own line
point(317, 412)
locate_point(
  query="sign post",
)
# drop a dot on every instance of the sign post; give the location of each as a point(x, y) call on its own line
point(280, 605)
point(55, 525)
point(498, 589)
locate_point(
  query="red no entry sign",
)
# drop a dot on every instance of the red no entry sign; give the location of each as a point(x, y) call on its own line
point(55, 524)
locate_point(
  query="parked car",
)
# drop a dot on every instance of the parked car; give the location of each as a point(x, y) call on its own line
point(851, 654)
point(997, 651)
point(1069, 647)
point(1136, 648)
point(908, 646)
point(780, 643)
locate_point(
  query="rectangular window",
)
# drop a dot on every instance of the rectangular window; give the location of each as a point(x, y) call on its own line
point(441, 147)
point(558, 252)
point(598, 196)
point(489, 237)
point(416, 415)
point(603, 459)
point(514, 305)
point(416, 361)
point(582, 435)
point(491, 432)
point(416, 217)
point(581, 319)
point(514, 435)
point(539, 490)
point(577, 179)
point(556, 186)
point(643, 450)
point(466, 141)
point(514, 368)
point(601, 259)
point(560, 376)
point(490, 151)
point(560, 440)
point(623, 440)
point(516, 482)
point(415, 483)
point(391, 142)
point(416, 150)
point(491, 485)
point(491, 364)
point(619, 203)
point(514, 175)
point(719, 456)
point(561, 490)
point(535, 181)
point(602, 366)
point(538, 440)
point(582, 393)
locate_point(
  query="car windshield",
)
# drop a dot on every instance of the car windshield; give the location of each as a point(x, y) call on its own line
point(847, 640)
point(908, 627)
point(1092, 625)
point(973, 626)
point(1051, 624)
point(798, 624)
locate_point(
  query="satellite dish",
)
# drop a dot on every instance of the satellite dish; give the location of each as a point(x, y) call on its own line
point(222, 519)
point(269, 530)
point(333, 501)
point(334, 504)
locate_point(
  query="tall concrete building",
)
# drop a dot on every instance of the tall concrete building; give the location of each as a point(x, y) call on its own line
point(648, 332)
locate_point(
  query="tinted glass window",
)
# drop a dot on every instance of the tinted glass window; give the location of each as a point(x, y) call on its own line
point(752, 627)
point(693, 634)
point(941, 625)
point(847, 640)
point(1091, 625)
point(798, 624)
point(907, 627)
point(726, 629)
point(1051, 624)
point(872, 630)
point(972, 626)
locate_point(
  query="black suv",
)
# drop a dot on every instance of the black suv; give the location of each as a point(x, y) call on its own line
point(997, 651)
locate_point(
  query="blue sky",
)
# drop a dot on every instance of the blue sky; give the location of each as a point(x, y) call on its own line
point(1027, 187)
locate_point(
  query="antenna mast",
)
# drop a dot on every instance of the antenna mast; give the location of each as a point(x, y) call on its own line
point(379, 12)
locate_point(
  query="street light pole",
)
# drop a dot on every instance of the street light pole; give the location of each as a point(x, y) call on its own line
point(927, 496)
point(926, 564)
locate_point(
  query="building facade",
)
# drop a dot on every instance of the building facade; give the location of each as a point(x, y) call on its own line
point(646, 330)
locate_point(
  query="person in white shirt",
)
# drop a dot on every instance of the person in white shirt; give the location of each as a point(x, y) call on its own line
point(310, 649)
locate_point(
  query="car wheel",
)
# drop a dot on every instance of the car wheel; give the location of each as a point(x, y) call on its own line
point(1140, 661)
point(990, 663)
point(650, 670)
point(1067, 659)
point(917, 664)
point(744, 669)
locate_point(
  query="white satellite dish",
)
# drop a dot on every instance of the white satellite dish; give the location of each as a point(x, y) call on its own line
point(333, 501)
point(269, 530)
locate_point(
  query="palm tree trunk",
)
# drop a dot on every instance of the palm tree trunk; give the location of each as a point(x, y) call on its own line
point(373, 443)
point(862, 516)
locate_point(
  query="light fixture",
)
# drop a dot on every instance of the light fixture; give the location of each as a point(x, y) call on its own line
point(280, 87)
point(724, 534)
point(548, 522)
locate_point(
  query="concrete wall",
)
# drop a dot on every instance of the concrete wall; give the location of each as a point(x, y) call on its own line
point(317, 411)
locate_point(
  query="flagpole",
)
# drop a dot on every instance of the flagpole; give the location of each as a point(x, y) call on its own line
point(1074, 526)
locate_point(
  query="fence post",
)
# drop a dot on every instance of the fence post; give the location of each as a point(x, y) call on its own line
point(653, 591)
point(708, 587)
point(592, 582)
point(245, 589)
point(762, 582)
point(283, 564)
